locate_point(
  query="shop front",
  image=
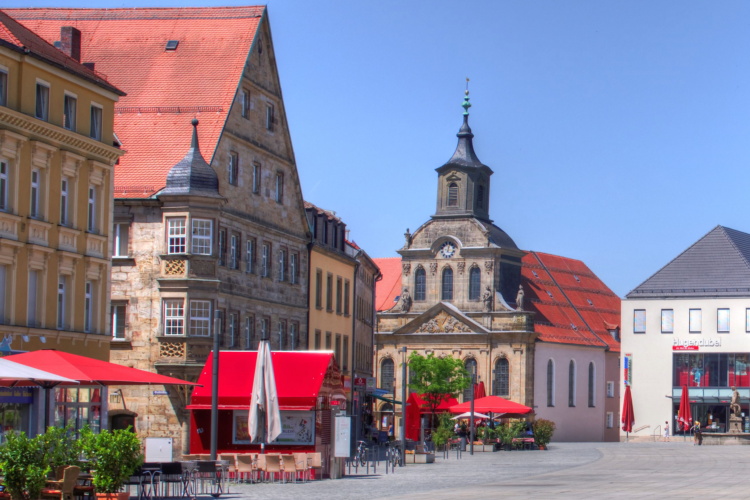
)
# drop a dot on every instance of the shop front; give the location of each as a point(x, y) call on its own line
point(710, 379)
point(310, 393)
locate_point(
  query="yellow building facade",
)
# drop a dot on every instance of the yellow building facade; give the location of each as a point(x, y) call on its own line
point(56, 161)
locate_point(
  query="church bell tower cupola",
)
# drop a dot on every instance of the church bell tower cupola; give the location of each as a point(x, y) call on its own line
point(464, 181)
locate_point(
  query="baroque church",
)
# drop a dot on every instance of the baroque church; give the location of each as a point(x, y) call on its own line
point(537, 329)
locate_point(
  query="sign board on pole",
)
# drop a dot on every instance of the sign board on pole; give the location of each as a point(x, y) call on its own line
point(342, 437)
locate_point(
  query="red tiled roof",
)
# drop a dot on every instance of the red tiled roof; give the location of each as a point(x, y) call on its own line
point(388, 288)
point(20, 37)
point(330, 215)
point(166, 89)
point(565, 317)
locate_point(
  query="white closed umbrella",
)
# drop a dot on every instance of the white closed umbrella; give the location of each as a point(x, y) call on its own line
point(10, 371)
point(468, 415)
point(264, 421)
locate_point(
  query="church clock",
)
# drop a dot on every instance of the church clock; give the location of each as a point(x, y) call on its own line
point(447, 249)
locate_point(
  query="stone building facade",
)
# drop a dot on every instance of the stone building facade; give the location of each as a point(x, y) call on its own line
point(209, 234)
point(56, 157)
point(463, 288)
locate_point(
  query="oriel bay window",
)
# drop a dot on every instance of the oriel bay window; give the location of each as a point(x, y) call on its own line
point(198, 317)
point(201, 236)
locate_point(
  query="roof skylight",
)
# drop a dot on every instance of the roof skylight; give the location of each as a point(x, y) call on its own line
point(172, 45)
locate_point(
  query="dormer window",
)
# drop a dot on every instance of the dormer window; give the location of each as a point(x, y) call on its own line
point(452, 194)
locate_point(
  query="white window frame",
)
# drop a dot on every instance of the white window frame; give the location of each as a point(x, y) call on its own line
point(264, 260)
point(293, 327)
point(3, 86)
point(62, 285)
point(249, 255)
point(282, 334)
point(667, 321)
point(233, 319)
point(279, 187)
point(201, 238)
point(234, 251)
point(91, 214)
point(174, 317)
point(282, 264)
point(249, 331)
point(36, 193)
point(256, 177)
point(639, 321)
point(245, 103)
point(233, 169)
point(293, 257)
point(41, 110)
point(32, 312)
point(118, 314)
point(176, 235)
point(695, 320)
point(722, 320)
point(200, 318)
point(610, 389)
point(121, 239)
point(64, 201)
point(97, 120)
point(70, 119)
point(88, 306)
point(610, 420)
point(4, 185)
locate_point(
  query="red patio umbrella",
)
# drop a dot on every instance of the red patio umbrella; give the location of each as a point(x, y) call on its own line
point(91, 371)
point(494, 404)
point(479, 390)
point(628, 417)
point(684, 416)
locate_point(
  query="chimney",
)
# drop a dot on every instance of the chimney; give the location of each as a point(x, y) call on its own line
point(90, 66)
point(70, 42)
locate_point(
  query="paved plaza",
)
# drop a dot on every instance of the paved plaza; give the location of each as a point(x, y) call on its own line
point(566, 470)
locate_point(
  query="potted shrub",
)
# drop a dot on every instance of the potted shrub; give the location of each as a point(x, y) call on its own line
point(60, 447)
point(113, 457)
point(543, 430)
point(444, 431)
point(23, 466)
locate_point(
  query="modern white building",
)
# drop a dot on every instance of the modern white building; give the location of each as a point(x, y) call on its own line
point(689, 325)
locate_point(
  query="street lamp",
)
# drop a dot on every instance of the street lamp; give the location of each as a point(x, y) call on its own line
point(215, 386)
point(402, 429)
point(471, 424)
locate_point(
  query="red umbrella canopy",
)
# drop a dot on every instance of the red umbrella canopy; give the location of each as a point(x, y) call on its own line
point(494, 404)
point(479, 391)
point(628, 417)
point(90, 371)
point(685, 415)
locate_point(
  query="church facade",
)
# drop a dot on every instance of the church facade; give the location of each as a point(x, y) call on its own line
point(463, 288)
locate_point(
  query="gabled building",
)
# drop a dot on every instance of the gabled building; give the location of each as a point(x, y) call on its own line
point(532, 326)
point(686, 327)
point(57, 150)
point(209, 223)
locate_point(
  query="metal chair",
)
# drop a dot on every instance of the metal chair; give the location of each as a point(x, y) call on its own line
point(211, 472)
point(171, 474)
point(245, 467)
point(316, 462)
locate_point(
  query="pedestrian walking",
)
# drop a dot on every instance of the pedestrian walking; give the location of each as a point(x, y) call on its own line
point(666, 431)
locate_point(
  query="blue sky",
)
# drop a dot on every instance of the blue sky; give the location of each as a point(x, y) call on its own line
point(617, 131)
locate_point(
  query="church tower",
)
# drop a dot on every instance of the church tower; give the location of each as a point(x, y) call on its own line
point(464, 181)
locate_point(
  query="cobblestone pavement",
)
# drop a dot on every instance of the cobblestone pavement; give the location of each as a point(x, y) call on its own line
point(566, 470)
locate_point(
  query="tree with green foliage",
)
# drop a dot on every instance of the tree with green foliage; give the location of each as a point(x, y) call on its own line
point(22, 465)
point(435, 379)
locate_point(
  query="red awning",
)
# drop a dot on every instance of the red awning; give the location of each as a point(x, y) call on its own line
point(300, 379)
point(494, 404)
point(90, 371)
point(446, 403)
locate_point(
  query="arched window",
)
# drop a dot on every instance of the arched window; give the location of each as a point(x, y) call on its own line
point(471, 367)
point(447, 289)
point(500, 387)
point(386, 375)
point(572, 383)
point(480, 197)
point(550, 383)
point(475, 281)
point(592, 376)
point(420, 284)
point(452, 194)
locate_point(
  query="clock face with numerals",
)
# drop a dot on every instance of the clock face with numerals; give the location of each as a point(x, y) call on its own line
point(447, 249)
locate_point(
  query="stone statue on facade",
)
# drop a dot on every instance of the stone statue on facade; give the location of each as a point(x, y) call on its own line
point(407, 236)
point(519, 298)
point(405, 300)
point(487, 299)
